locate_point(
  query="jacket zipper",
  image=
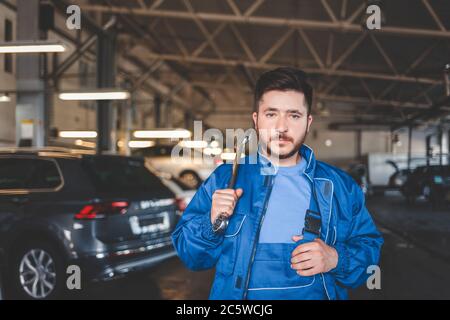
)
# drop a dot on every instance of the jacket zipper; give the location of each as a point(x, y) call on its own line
point(266, 201)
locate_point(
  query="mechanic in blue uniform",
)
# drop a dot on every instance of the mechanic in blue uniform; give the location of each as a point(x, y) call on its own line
point(298, 228)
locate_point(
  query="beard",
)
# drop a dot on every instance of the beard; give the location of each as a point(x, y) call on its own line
point(285, 154)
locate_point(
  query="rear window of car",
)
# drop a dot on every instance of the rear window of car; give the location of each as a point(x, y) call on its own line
point(162, 151)
point(157, 151)
point(111, 174)
point(27, 173)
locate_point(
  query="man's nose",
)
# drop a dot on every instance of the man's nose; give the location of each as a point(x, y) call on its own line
point(281, 125)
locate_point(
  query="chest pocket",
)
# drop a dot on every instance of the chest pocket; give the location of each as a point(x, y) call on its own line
point(230, 245)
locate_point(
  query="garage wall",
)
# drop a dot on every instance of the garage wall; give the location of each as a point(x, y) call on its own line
point(343, 144)
point(7, 81)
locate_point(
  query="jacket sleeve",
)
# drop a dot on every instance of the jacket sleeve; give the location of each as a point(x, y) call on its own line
point(196, 244)
point(362, 247)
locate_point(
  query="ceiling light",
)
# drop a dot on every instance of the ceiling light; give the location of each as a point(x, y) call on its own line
point(5, 98)
point(31, 47)
point(193, 144)
point(109, 94)
point(78, 134)
point(141, 144)
point(163, 134)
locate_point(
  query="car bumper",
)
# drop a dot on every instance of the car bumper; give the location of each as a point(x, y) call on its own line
point(106, 266)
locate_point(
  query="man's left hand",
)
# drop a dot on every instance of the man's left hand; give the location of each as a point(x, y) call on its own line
point(312, 258)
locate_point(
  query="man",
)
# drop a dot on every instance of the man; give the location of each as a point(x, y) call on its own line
point(298, 228)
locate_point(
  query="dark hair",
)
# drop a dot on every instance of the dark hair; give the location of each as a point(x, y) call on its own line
point(283, 79)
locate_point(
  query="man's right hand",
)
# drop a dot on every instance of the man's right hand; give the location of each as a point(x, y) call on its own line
point(224, 201)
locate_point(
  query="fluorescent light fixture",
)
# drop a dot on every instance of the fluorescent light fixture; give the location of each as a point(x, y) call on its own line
point(86, 144)
point(162, 134)
point(5, 98)
point(78, 134)
point(193, 144)
point(140, 144)
point(110, 94)
point(31, 47)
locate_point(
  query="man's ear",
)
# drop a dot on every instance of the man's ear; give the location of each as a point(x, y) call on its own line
point(255, 120)
point(310, 119)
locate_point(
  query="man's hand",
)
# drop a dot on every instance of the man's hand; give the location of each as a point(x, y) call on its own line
point(224, 201)
point(312, 258)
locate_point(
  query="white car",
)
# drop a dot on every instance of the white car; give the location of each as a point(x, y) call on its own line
point(183, 193)
point(192, 171)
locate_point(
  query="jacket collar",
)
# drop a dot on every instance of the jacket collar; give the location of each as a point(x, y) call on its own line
point(267, 168)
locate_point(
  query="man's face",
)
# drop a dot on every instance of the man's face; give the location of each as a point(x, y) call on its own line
point(282, 122)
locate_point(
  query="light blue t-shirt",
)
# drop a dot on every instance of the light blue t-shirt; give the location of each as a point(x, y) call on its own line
point(288, 202)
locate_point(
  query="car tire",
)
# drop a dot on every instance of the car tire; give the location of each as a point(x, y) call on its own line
point(36, 272)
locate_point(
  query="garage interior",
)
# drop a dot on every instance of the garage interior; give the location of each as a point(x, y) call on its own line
point(381, 107)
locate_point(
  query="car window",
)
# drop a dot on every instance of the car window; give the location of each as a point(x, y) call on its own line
point(45, 175)
point(153, 151)
point(111, 174)
point(23, 173)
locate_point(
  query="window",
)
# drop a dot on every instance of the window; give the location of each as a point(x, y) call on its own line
point(45, 175)
point(24, 173)
point(8, 59)
point(111, 174)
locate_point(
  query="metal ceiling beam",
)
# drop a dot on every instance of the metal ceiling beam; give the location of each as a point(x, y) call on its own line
point(348, 52)
point(434, 15)
point(413, 65)
point(145, 75)
point(253, 8)
point(343, 9)
point(276, 46)
point(151, 82)
point(330, 49)
point(234, 7)
point(325, 96)
point(142, 4)
point(311, 48)
point(156, 4)
point(79, 52)
point(357, 12)
point(367, 89)
point(184, 51)
point(259, 65)
point(383, 52)
point(242, 43)
point(145, 35)
point(344, 26)
point(329, 10)
point(205, 43)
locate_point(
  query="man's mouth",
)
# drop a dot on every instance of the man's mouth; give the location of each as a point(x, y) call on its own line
point(282, 139)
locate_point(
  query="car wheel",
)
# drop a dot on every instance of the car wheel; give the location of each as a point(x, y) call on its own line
point(191, 179)
point(37, 272)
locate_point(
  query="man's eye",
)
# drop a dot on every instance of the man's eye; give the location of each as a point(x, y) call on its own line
point(270, 115)
point(295, 116)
